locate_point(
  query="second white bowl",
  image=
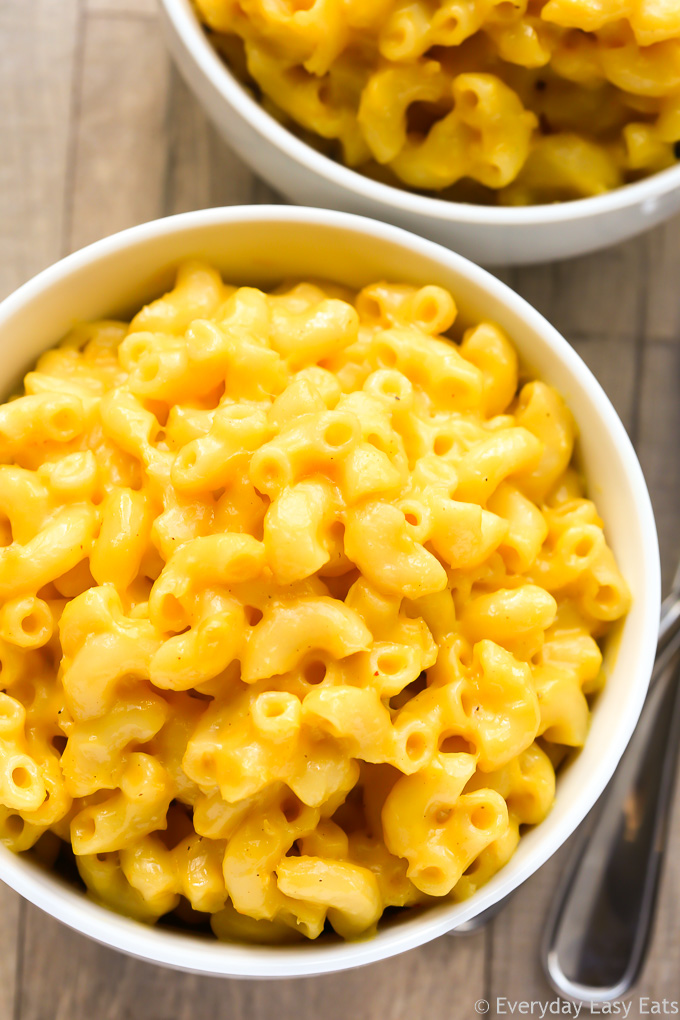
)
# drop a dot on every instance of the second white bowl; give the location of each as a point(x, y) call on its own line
point(490, 235)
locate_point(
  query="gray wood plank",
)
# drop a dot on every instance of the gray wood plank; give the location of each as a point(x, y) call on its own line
point(663, 314)
point(595, 295)
point(263, 194)
point(658, 445)
point(612, 361)
point(202, 170)
point(38, 42)
point(81, 980)
point(515, 973)
point(661, 975)
point(148, 8)
point(121, 138)
point(10, 908)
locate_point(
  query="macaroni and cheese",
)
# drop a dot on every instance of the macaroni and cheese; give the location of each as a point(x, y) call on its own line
point(507, 101)
point(300, 605)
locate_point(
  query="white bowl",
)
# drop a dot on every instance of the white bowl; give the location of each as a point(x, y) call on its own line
point(261, 245)
point(489, 235)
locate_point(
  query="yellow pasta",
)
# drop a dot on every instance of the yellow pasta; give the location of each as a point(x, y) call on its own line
point(512, 102)
point(295, 590)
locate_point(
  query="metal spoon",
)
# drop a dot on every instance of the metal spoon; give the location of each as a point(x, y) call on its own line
point(598, 930)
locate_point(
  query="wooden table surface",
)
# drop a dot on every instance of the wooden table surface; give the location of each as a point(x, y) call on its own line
point(97, 132)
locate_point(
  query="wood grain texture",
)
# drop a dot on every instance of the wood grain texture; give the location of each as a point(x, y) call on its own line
point(613, 361)
point(515, 970)
point(38, 45)
point(99, 134)
point(121, 135)
point(663, 316)
point(661, 976)
point(82, 980)
point(10, 907)
point(658, 444)
point(587, 296)
point(202, 171)
point(124, 8)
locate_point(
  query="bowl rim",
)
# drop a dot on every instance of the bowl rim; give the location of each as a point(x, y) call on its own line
point(191, 34)
point(239, 960)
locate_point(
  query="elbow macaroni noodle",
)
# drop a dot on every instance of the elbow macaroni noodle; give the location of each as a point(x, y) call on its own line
point(495, 101)
point(299, 605)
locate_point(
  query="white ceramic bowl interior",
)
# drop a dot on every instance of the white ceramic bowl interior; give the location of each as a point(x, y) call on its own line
point(262, 245)
point(488, 235)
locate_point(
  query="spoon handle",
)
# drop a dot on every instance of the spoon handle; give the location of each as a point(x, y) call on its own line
point(599, 928)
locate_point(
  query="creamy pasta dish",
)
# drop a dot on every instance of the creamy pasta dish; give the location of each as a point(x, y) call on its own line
point(494, 101)
point(300, 604)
